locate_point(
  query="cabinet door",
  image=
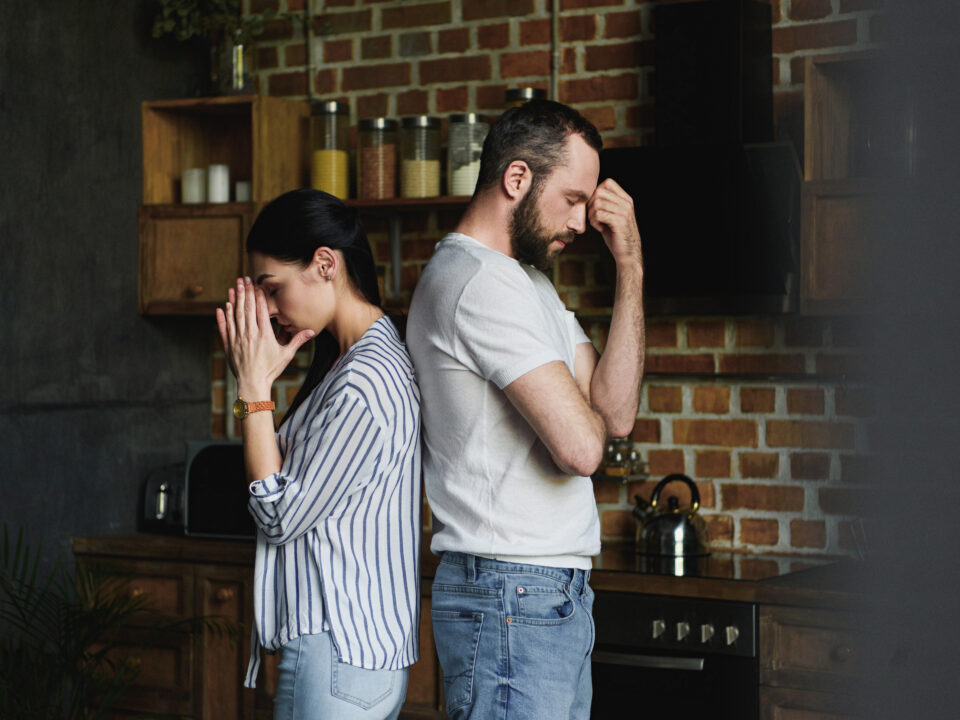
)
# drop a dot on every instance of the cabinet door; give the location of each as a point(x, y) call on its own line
point(784, 704)
point(190, 255)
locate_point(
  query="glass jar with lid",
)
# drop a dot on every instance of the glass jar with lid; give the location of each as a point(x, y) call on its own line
point(467, 132)
point(330, 158)
point(515, 97)
point(377, 158)
point(420, 167)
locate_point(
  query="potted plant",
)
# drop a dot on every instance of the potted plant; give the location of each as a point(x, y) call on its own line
point(61, 655)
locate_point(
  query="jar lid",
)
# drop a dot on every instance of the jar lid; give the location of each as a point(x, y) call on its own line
point(526, 93)
point(330, 108)
point(472, 118)
point(378, 123)
point(420, 121)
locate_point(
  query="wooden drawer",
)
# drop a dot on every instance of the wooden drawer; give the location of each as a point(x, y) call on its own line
point(786, 704)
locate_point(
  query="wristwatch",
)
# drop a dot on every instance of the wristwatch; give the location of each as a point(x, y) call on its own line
point(242, 408)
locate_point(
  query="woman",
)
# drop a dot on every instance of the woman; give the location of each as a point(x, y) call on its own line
point(335, 492)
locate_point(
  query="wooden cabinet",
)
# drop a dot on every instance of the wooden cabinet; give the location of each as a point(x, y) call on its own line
point(190, 254)
point(845, 149)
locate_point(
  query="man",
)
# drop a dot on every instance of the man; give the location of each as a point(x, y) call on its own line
point(516, 410)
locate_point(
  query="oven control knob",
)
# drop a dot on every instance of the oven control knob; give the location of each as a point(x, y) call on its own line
point(659, 627)
point(730, 634)
point(683, 630)
point(706, 632)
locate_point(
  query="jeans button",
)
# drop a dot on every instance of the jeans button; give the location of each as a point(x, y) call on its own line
point(520, 590)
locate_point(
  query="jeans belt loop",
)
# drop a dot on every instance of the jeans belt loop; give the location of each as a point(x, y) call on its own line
point(471, 568)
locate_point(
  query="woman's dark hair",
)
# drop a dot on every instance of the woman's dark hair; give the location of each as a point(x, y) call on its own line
point(291, 228)
point(535, 132)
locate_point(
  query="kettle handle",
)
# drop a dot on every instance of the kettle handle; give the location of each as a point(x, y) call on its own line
point(694, 493)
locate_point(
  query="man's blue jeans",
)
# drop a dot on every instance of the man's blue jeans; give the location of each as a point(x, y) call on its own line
point(514, 640)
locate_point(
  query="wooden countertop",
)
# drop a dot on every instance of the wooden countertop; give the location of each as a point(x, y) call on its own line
point(829, 583)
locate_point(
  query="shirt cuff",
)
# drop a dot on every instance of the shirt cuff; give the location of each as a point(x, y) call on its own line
point(269, 489)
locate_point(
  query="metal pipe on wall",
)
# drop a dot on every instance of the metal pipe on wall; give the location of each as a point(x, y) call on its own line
point(555, 53)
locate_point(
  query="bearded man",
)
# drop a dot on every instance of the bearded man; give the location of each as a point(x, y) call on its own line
point(516, 407)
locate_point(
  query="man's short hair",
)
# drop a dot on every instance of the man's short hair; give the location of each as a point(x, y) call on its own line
point(535, 132)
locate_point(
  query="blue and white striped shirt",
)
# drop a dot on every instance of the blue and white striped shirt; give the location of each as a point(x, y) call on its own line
point(338, 544)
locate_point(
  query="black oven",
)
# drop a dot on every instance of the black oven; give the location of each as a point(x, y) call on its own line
point(674, 657)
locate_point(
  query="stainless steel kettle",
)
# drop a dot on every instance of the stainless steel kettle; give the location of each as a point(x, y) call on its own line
point(670, 531)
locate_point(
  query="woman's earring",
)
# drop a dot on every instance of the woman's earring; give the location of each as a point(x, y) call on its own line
point(328, 277)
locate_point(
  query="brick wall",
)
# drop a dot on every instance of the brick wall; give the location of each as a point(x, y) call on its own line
point(768, 415)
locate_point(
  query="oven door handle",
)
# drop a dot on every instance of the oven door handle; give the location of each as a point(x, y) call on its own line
point(648, 661)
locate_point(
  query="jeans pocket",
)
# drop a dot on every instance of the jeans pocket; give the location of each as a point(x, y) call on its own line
point(457, 637)
point(544, 605)
point(359, 686)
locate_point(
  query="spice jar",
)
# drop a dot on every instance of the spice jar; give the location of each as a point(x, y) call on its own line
point(420, 168)
point(330, 161)
point(515, 97)
point(377, 158)
point(467, 132)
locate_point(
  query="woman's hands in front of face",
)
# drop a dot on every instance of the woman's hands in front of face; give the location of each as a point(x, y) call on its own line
point(252, 349)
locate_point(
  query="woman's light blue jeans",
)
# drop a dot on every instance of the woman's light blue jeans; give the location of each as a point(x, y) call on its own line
point(314, 685)
point(514, 640)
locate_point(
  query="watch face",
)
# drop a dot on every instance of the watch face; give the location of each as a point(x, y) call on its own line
point(240, 409)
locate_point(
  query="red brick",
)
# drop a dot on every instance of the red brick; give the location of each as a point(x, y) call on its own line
point(492, 37)
point(754, 333)
point(415, 44)
point(778, 498)
point(803, 332)
point(757, 569)
point(491, 97)
point(276, 29)
point(809, 9)
point(715, 400)
point(412, 102)
point(486, 9)
point(791, 38)
point(218, 425)
point(665, 399)
point(706, 334)
point(617, 523)
point(295, 55)
point(596, 298)
point(364, 77)
point(339, 23)
point(452, 100)
point(579, 4)
point(370, 106)
point(805, 401)
point(719, 528)
point(581, 27)
point(606, 492)
point(572, 272)
point(622, 24)
point(456, 40)
point(759, 465)
point(218, 368)
point(762, 364)
point(289, 83)
point(808, 533)
point(267, 58)
point(535, 32)
point(525, 63)
point(758, 400)
point(647, 431)
point(603, 118)
point(329, 3)
point(798, 70)
point(411, 16)
point(802, 434)
point(338, 50)
point(661, 334)
point(640, 116)
point(460, 69)
point(376, 48)
point(680, 364)
point(841, 501)
point(810, 466)
point(731, 433)
point(325, 82)
point(259, 6)
point(621, 55)
point(712, 463)
point(600, 88)
point(665, 462)
point(759, 532)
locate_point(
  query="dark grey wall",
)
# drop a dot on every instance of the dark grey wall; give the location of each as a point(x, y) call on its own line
point(91, 395)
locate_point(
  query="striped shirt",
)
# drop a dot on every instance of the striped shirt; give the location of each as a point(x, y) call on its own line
point(338, 544)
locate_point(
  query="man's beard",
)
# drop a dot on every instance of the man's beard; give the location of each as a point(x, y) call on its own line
point(529, 240)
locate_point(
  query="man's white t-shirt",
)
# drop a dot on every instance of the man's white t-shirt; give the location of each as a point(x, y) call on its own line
point(478, 321)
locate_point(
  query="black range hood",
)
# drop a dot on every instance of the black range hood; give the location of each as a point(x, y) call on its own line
point(720, 225)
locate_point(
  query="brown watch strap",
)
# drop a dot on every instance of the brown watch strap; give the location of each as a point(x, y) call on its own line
point(260, 405)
